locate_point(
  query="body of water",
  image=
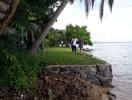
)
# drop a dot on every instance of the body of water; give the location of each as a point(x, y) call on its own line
point(119, 55)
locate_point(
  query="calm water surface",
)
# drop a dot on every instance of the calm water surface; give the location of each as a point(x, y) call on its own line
point(119, 55)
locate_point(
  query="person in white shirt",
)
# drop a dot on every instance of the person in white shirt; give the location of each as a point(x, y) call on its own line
point(74, 44)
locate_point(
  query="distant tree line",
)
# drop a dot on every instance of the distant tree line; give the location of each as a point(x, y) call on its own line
point(58, 37)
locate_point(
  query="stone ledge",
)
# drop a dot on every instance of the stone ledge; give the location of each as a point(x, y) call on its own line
point(100, 74)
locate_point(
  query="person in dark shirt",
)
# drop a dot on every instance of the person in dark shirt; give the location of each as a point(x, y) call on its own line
point(80, 44)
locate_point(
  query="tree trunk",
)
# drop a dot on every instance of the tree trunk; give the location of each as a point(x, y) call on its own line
point(48, 26)
point(7, 10)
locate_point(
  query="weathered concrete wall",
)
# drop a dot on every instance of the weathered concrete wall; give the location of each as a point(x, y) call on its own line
point(100, 74)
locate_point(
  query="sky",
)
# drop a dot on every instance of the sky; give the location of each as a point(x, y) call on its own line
point(115, 26)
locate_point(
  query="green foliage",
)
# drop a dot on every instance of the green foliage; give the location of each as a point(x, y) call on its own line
point(55, 37)
point(11, 42)
point(41, 10)
point(58, 37)
point(18, 69)
point(35, 11)
point(46, 42)
point(78, 32)
point(32, 13)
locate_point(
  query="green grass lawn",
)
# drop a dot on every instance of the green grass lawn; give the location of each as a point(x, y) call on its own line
point(54, 56)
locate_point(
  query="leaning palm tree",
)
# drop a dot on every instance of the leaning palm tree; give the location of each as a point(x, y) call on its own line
point(8, 7)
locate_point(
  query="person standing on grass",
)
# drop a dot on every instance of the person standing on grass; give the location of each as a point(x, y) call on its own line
point(74, 44)
point(80, 44)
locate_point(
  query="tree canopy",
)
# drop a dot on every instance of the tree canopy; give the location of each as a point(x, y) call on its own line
point(78, 32)
point(55, 37)
point(37, 11)
point(33, 16)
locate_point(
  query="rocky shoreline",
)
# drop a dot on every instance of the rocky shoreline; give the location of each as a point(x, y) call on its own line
point(69, 82)
point(99, 75)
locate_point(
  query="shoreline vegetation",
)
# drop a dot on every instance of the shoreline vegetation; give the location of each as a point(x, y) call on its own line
point(29, 70)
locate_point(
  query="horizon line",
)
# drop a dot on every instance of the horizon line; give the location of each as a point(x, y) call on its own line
point(112, 42)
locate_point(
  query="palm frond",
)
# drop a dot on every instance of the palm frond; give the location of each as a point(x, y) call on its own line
point(92, 3)
point(110, 3)
point(101, 9)
point(71, 1)
point(87, 6)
